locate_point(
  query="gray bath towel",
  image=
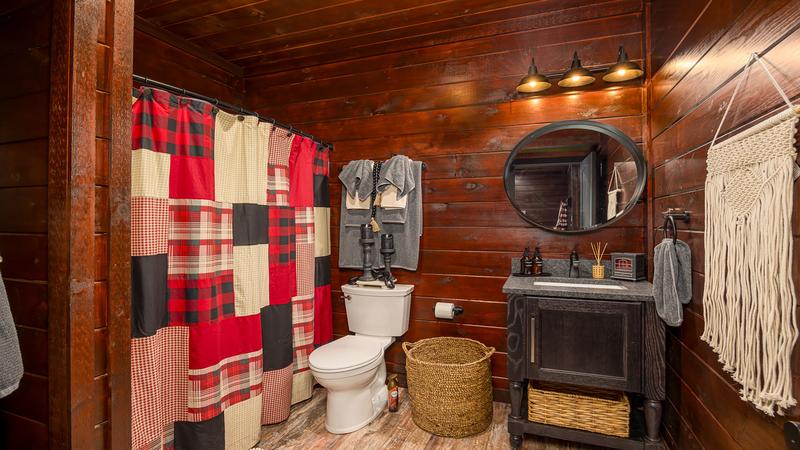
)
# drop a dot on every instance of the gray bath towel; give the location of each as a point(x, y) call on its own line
point(406, 235)
point(398, 172)
point(11, 360)
point(672, 280)
point(356, 176)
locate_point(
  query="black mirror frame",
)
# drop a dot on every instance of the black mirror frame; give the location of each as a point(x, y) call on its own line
point(608, 130)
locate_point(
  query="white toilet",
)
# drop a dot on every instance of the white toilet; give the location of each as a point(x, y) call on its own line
point(352, 367)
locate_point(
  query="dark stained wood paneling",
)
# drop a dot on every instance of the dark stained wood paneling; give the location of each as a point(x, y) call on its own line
point(28, 301)
point(688, 93)
point(424, 35)
point(27, 210)
point(24, 163)
point(496, 57)
point(675, 20)
point(449, 102)
point(710, 20)
point(766, 21)
point(438, 143)
point(156, 59)
point(24, 113)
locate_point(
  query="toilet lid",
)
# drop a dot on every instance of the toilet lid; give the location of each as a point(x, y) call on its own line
point(346, 353)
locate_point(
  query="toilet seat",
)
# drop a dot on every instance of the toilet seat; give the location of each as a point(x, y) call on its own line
point(346, 354)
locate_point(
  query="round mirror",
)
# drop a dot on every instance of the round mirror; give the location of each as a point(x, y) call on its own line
point(575, 176)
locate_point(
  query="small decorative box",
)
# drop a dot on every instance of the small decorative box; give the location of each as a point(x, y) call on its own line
point(628, 266)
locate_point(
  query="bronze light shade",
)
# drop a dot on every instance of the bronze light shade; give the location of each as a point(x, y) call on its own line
point(533, 81)
point(623, 70)
point(576, 76)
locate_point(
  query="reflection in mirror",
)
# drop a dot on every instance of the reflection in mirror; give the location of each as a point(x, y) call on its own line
point(573, 179)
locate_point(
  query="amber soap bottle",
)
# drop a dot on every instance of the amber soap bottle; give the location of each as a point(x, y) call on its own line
point(394, 394)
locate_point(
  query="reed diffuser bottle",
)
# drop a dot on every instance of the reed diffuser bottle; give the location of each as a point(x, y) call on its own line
point(598, 269)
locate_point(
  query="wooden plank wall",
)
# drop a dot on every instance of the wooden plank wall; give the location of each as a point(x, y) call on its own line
point(698, 47)
point(169, 59)
point(56, 187)
point(449, 102)
point(24, 106)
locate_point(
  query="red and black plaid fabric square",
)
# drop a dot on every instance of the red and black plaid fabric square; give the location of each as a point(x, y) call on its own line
point(302, 330)
point(277, 185)
point(200, 268)
point(304, 225)
point(200, 298)
point(282, 237)
point(232, 380)
point(167, 123)
point(321, 160)
point(200, 236)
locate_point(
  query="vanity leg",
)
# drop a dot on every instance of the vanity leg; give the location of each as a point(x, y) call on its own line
point(515, 392)
point(652, 419)
point(516, 441)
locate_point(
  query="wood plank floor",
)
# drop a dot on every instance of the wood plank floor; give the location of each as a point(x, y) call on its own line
point(305, 429)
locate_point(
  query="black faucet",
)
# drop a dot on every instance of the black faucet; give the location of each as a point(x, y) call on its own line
point(574, 263)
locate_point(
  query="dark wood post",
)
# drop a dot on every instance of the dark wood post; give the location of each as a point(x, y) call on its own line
point(88, 241)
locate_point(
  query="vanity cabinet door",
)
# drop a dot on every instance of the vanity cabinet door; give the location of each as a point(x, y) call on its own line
point(585, 342)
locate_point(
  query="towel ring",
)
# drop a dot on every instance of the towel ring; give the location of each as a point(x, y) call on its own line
point(669, 222)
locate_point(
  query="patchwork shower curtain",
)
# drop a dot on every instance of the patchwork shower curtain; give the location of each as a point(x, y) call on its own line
point(231, 272)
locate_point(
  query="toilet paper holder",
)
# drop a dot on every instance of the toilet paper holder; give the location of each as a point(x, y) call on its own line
point(456, 310)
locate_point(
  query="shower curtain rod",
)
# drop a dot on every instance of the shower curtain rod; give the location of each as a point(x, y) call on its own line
point(229, 106)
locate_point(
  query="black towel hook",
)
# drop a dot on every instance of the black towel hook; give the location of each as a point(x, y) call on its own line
point(670, 216)
point(669, 222)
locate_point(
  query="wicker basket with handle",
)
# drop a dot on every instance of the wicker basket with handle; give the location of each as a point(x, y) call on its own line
point(595, 410)
point(450, 385)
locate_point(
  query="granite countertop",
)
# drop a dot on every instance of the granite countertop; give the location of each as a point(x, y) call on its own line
point(633, 290)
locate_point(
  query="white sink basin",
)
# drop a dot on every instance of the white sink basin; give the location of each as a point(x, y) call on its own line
point(579, 285)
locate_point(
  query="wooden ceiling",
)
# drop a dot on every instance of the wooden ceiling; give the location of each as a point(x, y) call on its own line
point(270, 36)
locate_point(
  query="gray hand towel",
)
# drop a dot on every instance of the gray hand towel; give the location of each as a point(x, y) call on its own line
point(356, 176)
point(11, 360)
point(672, 280)
point(406, 235)
point(398, 171)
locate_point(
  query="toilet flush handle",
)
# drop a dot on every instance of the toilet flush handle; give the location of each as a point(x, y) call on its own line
point(346, 297)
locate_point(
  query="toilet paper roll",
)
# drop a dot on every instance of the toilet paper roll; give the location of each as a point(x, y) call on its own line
point(444, 310)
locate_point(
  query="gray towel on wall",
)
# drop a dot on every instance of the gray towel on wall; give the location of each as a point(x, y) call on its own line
point(406, 235)
point(672, 280)
point(11, 360)
point(397, 172)
point(356, 176)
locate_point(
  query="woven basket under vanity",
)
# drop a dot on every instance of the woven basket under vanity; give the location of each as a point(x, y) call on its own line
point(595, 410)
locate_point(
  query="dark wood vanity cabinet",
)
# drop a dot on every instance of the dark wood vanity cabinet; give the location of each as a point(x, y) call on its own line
point(611, 344)
point(585, 342)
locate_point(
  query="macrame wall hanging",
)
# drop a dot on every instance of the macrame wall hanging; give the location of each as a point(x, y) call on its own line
point(749, 298)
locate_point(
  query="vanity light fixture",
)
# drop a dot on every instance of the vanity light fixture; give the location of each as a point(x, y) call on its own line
point(623, 70)
point(533, 81)
point(576, 76)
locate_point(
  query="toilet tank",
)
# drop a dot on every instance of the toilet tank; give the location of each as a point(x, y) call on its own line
point(378, 311)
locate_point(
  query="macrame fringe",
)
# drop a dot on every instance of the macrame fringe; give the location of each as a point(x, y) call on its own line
point(749, 299)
